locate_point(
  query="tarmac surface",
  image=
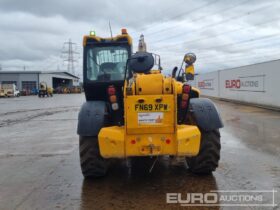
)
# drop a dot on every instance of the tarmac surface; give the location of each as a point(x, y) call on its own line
point(39, 161)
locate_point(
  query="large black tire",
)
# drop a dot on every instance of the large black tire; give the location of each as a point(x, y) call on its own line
point(92, 164)
point(208, 157)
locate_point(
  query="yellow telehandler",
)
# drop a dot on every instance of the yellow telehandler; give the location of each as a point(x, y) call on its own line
point(44, 90)
point(133, 110)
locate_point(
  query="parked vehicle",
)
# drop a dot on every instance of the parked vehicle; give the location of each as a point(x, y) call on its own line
point(44, 90)
point(9, 90)
point(133, 110)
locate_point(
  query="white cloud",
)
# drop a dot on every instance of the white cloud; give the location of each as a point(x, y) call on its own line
point(33, 32)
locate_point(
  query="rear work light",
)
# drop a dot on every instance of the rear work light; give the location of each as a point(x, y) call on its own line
point(185, 96)
point(113, 97)
point(186, 89)
point(115, 106)
point(111, 90)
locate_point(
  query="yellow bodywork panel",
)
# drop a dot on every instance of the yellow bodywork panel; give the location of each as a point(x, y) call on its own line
point(150, 128)
point(149, 84)
point(189, 70)
point(188, 140)
point(152, 84)
point(113, 142)
point(167, 85)
point(196, 90)
point(178, 87)
point(150, 114)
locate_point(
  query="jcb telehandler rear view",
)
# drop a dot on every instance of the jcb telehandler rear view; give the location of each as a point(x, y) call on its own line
point(133, 110)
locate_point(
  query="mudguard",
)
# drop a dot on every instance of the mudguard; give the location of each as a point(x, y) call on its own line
point(205, 114)
point(91, 118)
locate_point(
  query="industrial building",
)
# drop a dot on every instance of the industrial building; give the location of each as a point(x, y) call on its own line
point(28, 80)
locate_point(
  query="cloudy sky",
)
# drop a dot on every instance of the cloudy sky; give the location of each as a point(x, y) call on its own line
point(222, 33)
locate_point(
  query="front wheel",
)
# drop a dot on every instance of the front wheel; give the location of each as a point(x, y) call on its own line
point(208, 157)
point(92, 164)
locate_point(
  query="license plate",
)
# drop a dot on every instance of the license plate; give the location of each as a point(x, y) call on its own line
point(151, 107)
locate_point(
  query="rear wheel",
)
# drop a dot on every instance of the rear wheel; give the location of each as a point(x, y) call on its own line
point(92, 164)
point(208, 157)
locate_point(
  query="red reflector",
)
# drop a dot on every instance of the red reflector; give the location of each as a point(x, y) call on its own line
point(168, 141)
point(184, 104)
point(133, 141)
point(111, 90)
point(186, 88)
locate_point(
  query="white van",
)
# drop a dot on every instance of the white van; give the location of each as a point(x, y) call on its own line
point(9, 90)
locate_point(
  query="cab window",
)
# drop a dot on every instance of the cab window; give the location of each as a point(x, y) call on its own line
point(106, 63)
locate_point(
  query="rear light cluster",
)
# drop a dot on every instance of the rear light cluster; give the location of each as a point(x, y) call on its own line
point(113, 97)
point(185, 96)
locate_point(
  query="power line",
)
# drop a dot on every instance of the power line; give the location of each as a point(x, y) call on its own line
point(235, 30)
point(68, 53)
point(240, 57)
point(252, 47)
point(213, 24)
point(176, 16)
point(142, 19)
point(200, 18)
point(263, 58)
point(222, 59)
point(226, 32)
point(240, 42)
point(244, 42)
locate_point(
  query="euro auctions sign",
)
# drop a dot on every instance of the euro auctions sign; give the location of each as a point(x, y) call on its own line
point(253, 83)
point(206, 84)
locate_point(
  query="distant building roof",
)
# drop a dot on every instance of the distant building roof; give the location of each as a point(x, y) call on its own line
point(39, 72)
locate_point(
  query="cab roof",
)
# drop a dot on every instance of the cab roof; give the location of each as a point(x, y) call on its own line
point(124, 37)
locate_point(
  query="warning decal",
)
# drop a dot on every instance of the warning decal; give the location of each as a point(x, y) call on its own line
point(150, 118)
